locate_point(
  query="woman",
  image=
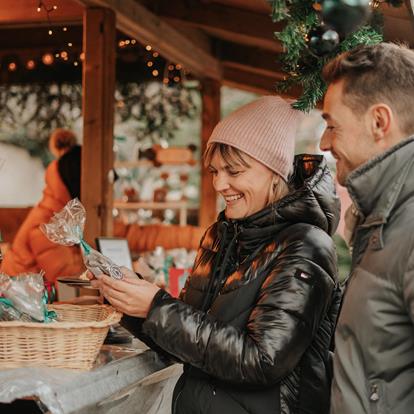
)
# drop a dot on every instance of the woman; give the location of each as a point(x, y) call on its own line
point(31, 251)
point(254, 322)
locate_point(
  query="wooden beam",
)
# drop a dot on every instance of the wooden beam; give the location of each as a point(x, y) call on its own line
point(98, 120)
point(210, 95)
point(256, 83)
point(230, 23)
point(250, 59)
point(25, 12)
point(135, 20)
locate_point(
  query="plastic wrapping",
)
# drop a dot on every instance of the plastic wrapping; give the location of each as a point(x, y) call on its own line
point(24, 293)
point(8, 313)
point(66, 228)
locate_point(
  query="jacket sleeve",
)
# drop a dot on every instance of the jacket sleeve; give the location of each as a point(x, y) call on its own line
point(291, 303)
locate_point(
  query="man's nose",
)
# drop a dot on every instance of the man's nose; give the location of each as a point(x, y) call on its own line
point(325, 144)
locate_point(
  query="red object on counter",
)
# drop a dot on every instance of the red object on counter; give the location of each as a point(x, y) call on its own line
point(176, 280)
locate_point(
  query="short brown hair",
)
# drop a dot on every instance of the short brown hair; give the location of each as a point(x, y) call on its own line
point(233, 156)
point(377, 73)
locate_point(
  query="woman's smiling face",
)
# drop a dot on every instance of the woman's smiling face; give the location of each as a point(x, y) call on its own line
point(244, 185)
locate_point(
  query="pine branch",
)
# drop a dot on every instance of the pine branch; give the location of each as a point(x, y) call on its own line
point(301, 66)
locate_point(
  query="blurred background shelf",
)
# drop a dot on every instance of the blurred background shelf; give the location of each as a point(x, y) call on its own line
point(181, 206)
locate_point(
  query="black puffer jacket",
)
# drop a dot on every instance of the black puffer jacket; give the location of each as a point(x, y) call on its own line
point(257, 315)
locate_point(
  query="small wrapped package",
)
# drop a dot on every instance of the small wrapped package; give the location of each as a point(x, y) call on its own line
point(66, 228)
point(24, 298)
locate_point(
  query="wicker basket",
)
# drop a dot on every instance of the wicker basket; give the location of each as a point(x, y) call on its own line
point(73, 342)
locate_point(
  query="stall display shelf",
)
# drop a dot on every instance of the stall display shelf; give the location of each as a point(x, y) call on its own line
point(181, 206)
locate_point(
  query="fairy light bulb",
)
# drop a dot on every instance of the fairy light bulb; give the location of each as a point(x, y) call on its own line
point(30, 64)
point(47, 59)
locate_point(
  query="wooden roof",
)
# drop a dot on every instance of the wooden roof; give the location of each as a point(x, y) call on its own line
point(228, 40)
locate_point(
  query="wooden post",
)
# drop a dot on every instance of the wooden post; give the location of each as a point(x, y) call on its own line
point(98, 120)
point(210, 90)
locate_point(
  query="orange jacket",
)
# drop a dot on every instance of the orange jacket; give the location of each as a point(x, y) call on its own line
point(31, 251)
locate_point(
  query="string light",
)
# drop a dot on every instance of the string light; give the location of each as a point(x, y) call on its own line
point(376, 3)
point(41, 5)
point(12, 66)
point(47, 59)
point(64, 28)
point(76, 60)
point(30, 64)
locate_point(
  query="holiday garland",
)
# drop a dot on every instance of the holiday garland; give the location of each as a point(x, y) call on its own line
point(31, 112)
point(304, 67)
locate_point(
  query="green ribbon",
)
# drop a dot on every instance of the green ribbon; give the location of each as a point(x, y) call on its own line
point(6, 301)
point(84, 245)
point(49, 316)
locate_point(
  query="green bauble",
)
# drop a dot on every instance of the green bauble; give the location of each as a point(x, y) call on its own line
point(345, 16)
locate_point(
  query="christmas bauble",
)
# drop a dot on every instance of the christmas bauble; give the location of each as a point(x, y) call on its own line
point(322, 41)
point(345, 16)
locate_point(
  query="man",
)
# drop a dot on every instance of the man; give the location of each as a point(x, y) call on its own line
point(368, 108)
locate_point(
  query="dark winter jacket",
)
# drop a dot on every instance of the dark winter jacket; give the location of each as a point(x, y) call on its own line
point(257, 314)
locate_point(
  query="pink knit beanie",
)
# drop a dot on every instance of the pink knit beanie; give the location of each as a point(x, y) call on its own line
point(265, 129)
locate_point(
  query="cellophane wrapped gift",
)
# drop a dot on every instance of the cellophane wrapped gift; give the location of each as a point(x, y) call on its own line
point(23, 297)
point(66, 228)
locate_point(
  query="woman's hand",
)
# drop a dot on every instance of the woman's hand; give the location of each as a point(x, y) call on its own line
point(130, 295)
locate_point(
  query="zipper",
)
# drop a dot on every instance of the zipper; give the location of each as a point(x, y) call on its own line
point(375, 399)
point(374, 395)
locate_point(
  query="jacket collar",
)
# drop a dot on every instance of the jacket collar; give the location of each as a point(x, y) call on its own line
point(376, 185)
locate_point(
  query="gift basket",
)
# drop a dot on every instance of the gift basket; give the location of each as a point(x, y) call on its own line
point(60, 336)
point(73, 341)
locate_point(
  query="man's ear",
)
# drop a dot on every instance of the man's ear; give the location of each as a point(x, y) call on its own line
point(381, 122)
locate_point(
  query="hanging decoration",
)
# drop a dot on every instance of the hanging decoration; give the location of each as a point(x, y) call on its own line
point(31, 112)
point(315, 32)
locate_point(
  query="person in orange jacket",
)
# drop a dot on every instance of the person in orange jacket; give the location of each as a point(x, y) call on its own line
point(31, 251)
